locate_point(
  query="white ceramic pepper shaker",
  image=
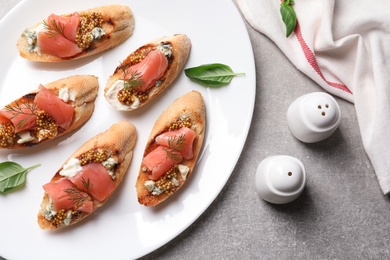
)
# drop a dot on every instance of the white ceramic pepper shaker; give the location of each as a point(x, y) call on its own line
point(313, 117)
point(280, 179)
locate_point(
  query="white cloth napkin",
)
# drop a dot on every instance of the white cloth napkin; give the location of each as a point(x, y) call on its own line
point(344, 46)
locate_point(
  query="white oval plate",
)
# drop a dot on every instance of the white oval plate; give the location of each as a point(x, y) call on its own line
point(123, 229)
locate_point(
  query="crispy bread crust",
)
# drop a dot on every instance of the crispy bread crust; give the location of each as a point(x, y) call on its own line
point(85, 88)
point(118, 25)
point(120, 138)
point(191, 105)
point(181, 47)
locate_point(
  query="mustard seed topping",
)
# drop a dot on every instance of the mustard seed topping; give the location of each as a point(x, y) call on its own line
point(7, 134)
point(139, 55)
point(97, 155)
point(58, 219)
point(46, 127)
point(165, 182)
point(87, 23)
point(127, 96)
point(179, 123)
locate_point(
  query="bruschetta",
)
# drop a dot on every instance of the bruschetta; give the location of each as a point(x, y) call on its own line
point(88, 178)
point(52, 110)
point(172, 149)
point(147, 72)
point(80, 34)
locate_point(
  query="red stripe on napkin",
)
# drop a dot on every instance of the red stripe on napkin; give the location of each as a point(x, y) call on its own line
point(310, 57)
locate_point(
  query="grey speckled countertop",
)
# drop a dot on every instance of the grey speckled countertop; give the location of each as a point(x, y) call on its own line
point(341, 214)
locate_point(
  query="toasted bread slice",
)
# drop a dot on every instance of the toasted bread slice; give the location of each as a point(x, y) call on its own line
point(117, 25)
point(176, 49)
point(78, 91)
point(186, 111)
point(117, 143)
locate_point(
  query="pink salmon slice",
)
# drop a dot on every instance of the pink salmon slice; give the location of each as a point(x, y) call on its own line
point(95, 180)
point(60, 194)
point(60, 111)
point(161, 160)
point(151, 68)
point(182, 138)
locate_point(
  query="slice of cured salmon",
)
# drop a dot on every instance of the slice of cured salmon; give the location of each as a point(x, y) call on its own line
point(181, 140)
point(95, 180)
point(60, 111)
point(21, 115)
point(59, 37)
point(161, 160)
point(67, 25)
point(58, 46)
point(4, 119)
point(64, 195)
point(150, 69)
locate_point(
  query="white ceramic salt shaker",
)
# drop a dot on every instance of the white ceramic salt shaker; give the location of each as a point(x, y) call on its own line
point(280, 179)
point(313, 117)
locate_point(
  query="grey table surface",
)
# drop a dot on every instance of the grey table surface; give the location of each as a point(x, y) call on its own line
point(341, 214)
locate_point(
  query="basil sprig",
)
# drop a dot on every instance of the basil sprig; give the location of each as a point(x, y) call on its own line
point(12, 175)
point(212, 75)
point(288, 16)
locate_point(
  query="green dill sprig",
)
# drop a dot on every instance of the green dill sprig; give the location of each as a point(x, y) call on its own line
point(76, 196)
point(173, 154)
point(86, 184)
point(16, 109)
point(175, 144)
point(54, 29)
point(135, 80)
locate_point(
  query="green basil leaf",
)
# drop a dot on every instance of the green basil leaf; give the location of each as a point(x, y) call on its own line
point(289, 18)
point(12, 175)
point(211, 75)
